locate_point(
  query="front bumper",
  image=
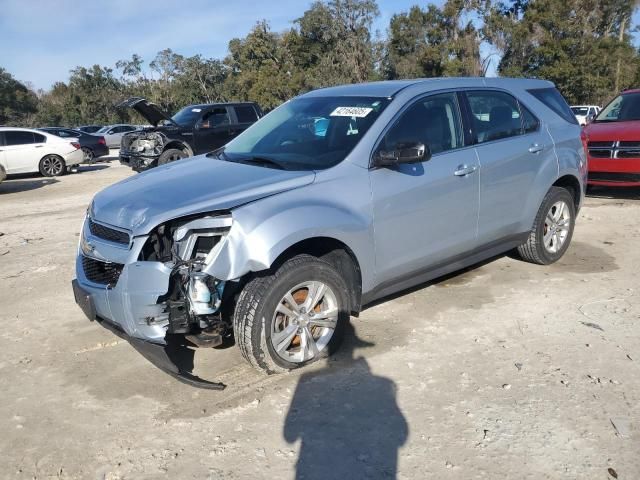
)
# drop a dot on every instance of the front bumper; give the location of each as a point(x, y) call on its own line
point(174, 356)
point(616, 172)
point(136, 162)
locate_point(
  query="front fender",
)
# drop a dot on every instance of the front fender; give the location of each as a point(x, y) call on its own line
point(263, 230)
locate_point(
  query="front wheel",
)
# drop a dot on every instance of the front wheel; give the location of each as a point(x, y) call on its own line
point(171, 155)
point(552, 228)
point(292, 316)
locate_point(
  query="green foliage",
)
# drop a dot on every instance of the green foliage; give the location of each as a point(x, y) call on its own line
point(584, 46)
point(17, 102)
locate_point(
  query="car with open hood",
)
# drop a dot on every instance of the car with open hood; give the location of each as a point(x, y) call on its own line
point(337, 198)
point(194, 130)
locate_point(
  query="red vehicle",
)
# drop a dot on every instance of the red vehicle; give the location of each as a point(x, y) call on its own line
point(613, 143)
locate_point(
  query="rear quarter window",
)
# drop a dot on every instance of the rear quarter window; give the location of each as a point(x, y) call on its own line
point(246, 113)
point(552, 98)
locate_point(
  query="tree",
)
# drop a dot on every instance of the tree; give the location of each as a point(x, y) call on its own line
point(434, 42)
point(583, 46)
point(17, 101)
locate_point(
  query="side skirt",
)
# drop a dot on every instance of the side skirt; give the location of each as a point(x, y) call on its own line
point(443, 268)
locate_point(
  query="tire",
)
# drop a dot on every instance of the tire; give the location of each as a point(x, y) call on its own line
point(260, 323)
point(552, 229)
point(52, 166)
point(89, 156)
point(171, 155)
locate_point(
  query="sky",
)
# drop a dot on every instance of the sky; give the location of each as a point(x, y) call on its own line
point(41, 40)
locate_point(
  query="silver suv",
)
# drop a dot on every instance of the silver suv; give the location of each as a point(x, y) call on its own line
point(337, 198)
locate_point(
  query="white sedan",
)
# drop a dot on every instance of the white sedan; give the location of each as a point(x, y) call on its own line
point(23, 150)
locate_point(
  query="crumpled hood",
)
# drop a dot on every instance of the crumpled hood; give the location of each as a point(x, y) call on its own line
point(195, 185)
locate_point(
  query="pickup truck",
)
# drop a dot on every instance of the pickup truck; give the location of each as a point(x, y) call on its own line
point(194, 130)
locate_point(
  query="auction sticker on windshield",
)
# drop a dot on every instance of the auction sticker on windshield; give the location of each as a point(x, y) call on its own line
point(351, 112)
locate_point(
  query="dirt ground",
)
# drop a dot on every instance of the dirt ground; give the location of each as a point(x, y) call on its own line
point(506, 370)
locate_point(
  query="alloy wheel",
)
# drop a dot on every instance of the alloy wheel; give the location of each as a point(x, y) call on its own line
point(304, 321)
point(88, 155)
point(52, 165)
point(556, 226)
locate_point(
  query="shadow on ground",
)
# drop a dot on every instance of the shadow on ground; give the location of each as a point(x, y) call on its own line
point(347, 420)
point(22, 183)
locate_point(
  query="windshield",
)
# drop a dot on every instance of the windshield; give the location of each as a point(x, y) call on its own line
point(308, 133)
point(187, 116)
point(580, 110)
point(623, 108)
point(104, 129)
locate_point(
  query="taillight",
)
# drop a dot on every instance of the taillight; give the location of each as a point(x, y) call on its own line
point(75, 145)
point(101, 141)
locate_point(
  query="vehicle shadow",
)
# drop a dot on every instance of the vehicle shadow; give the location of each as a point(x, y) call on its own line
point(620, 193)
point(347, 419)
point(22, 183)
point(90, 167)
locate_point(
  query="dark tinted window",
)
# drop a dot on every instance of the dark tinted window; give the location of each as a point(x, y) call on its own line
point(16, 137)
point(39, 138)
point(433, 121)
point(187, 116)
point(246, 114)
point(551, 98)
point(496, 115)
point(215, 118)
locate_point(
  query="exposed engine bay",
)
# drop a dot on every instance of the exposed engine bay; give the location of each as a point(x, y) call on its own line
point(193, 304)
point(143, 144)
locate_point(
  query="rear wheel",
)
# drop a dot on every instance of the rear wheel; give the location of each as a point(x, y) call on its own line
point(171, 155)
point(89, 156)
point(293, 316)
point(52, 166)
point(552, 229)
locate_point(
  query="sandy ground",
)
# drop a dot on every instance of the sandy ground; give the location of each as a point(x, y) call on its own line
point(507, 370)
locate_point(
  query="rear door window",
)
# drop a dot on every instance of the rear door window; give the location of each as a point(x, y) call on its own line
point(246, 113)
point(496, 115)
point(552, 98)
point(17, 137)
point(37, 138)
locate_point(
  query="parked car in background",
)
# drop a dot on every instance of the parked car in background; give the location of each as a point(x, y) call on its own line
point(89, 128)
point(93, 146)
point(335, 199)
point(193, 130)
point(613, 142)
point(24, 150)
point(585, 113)
point(113, 133)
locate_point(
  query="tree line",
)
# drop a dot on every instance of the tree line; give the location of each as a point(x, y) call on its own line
point(584, 46)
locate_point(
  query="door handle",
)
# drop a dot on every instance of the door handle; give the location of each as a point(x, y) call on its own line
point(535, 148)
point(39, 146)
point(463, 170)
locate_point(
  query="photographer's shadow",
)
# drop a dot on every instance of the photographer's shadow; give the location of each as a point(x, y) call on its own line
point(347, 420)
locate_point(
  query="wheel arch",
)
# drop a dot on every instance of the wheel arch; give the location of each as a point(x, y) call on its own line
point(572, 184)
point(185, 147)
point(339, 255)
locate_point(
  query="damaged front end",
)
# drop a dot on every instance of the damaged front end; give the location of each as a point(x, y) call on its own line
point(153, 290)
point(193, 301)
point(140, 150)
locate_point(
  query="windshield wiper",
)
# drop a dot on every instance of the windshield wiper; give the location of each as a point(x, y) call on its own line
point(261, 161)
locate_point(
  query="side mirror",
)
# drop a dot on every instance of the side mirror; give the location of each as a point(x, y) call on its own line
point(409, 152)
